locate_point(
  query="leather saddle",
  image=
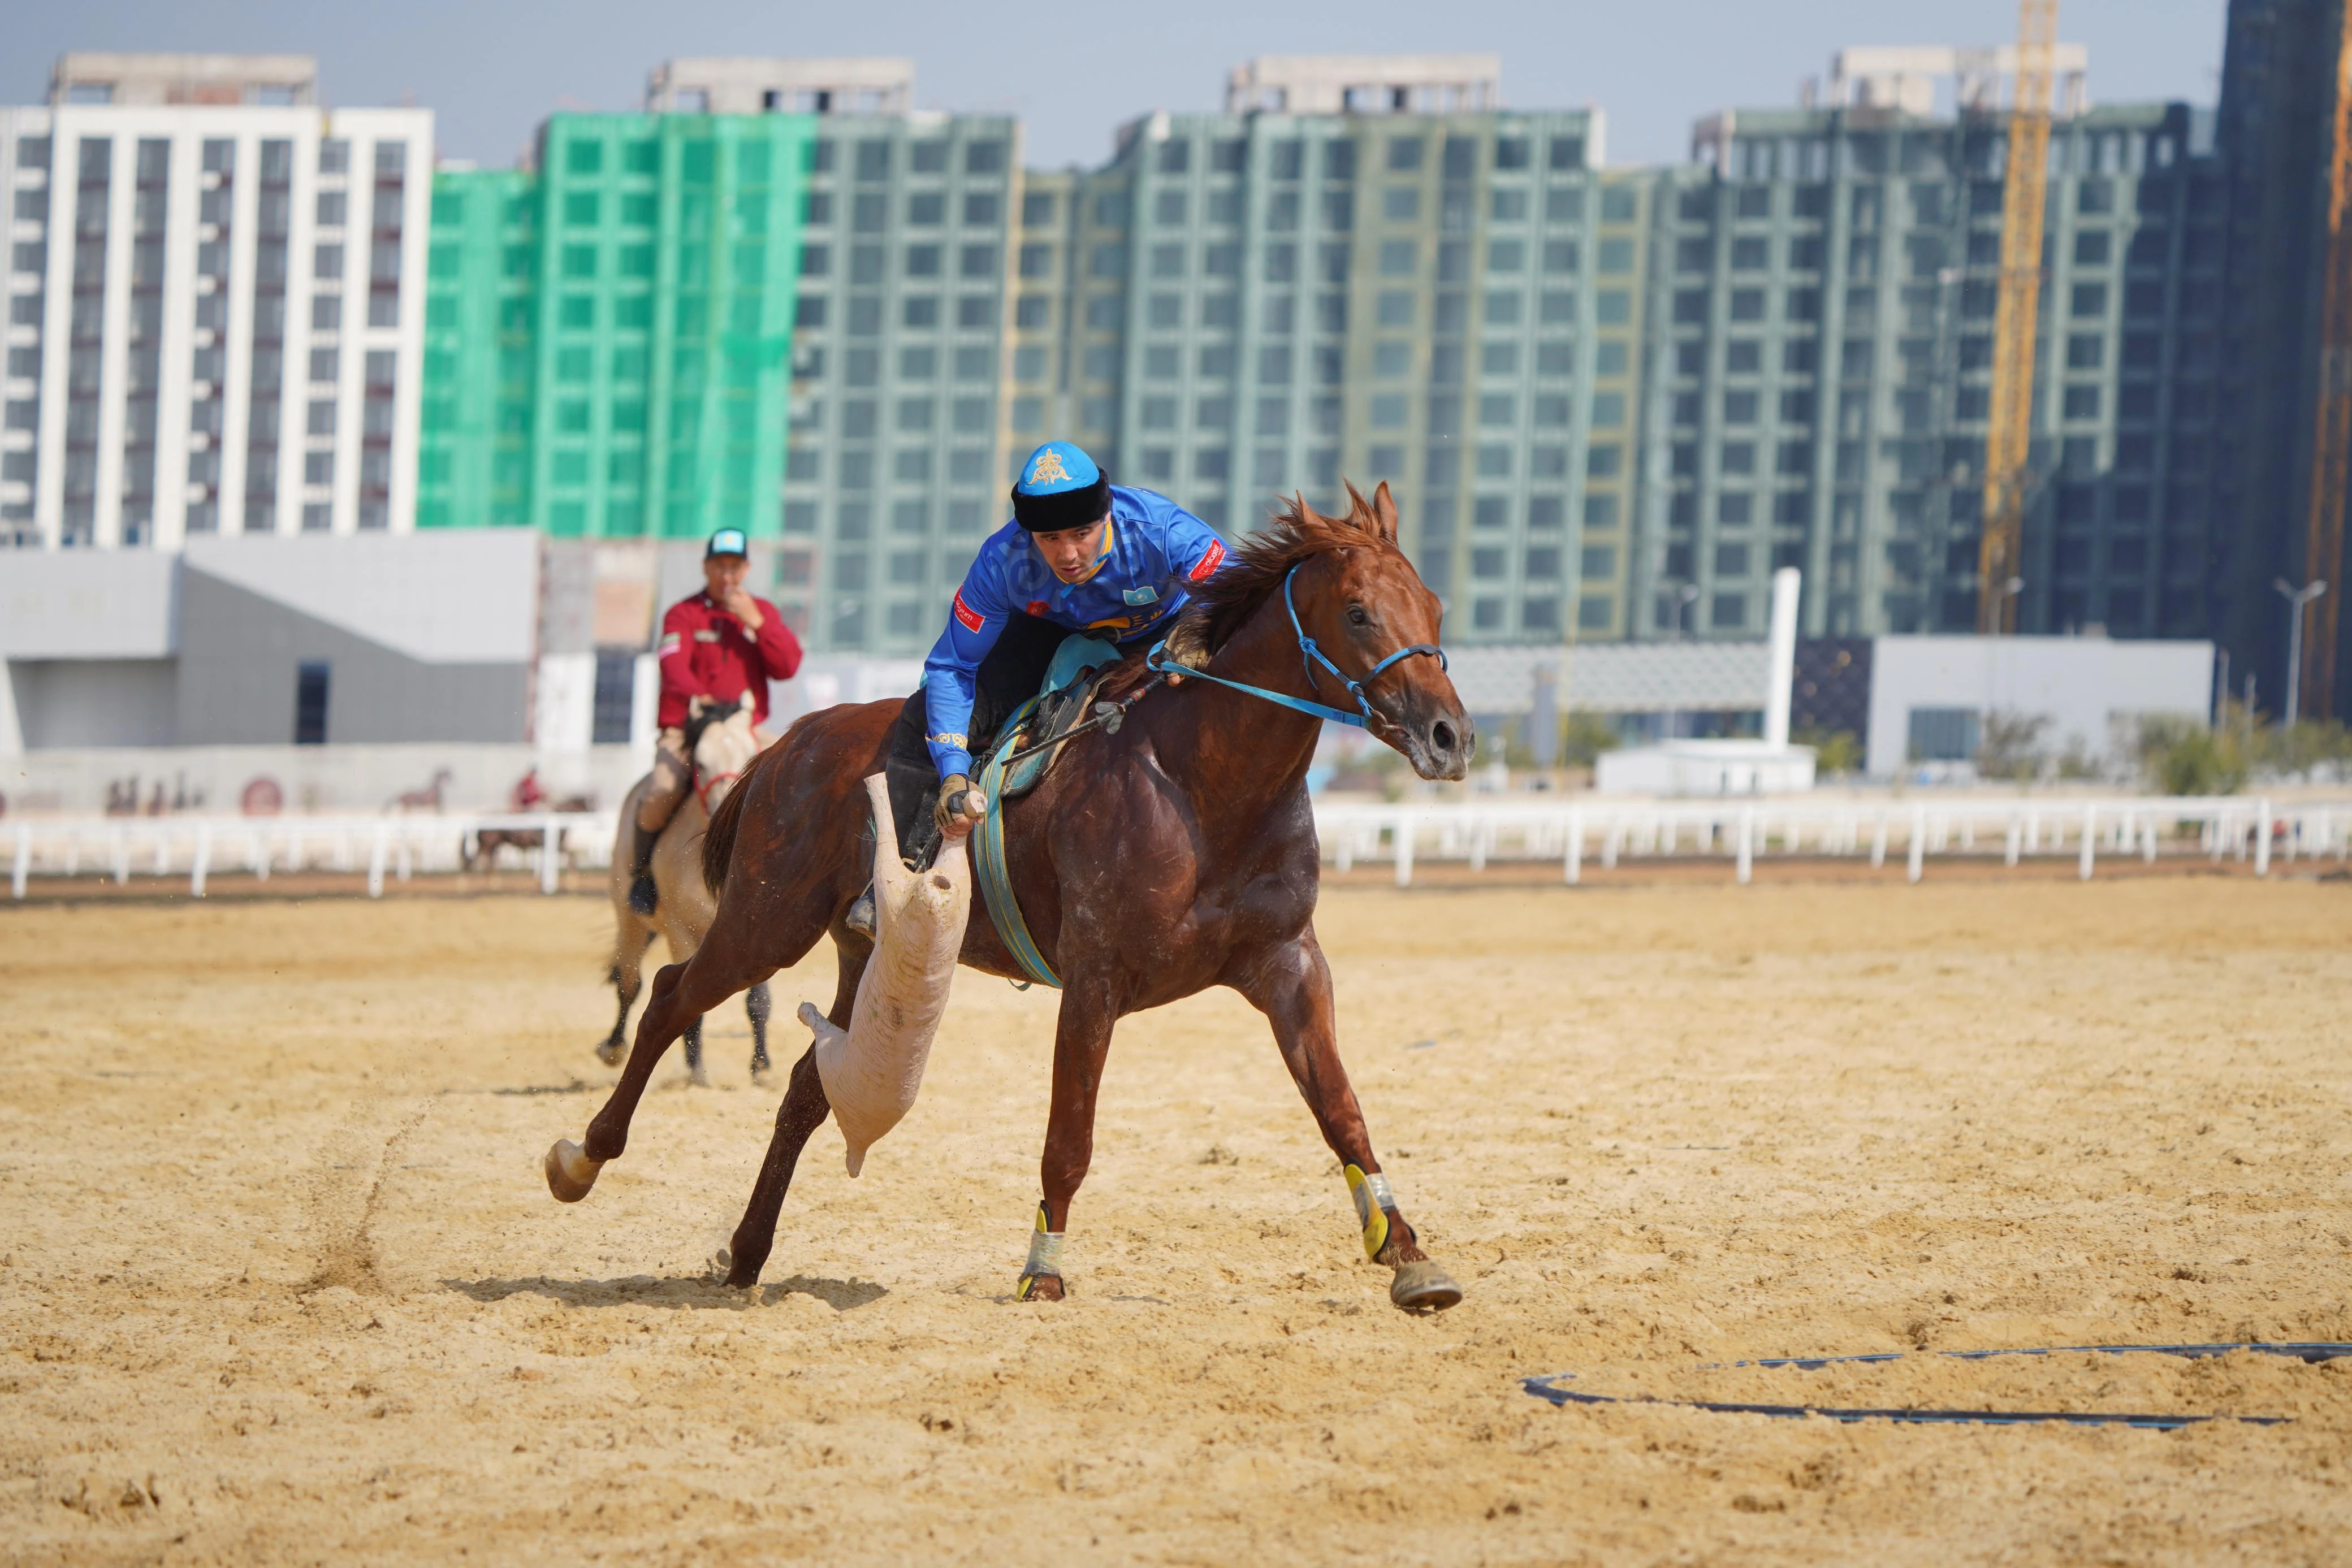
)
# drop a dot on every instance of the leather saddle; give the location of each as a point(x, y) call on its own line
point(1042, 725)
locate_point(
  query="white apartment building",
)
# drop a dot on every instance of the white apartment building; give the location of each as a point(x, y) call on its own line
point(214, 306)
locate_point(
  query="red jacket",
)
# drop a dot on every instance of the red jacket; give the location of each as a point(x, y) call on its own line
point(706, 652)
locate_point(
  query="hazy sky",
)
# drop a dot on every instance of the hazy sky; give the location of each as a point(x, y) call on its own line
point(1073, 71)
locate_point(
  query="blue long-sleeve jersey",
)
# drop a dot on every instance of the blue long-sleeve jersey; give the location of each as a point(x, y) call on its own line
point(1151, 552)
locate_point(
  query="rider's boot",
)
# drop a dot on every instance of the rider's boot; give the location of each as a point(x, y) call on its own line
point(644, 897)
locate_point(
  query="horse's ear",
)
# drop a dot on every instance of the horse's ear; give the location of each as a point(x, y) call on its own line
point(1384, 513)
point(1301, 510)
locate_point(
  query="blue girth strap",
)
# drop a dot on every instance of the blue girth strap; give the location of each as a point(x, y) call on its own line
point(988, 859)
point(1309, 655)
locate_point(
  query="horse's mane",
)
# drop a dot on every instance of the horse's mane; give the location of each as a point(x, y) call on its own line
point(1253, 571)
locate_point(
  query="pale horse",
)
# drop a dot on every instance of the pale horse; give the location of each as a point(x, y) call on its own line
point(722, 743)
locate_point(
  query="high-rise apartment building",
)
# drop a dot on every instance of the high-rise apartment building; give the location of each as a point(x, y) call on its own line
point(1819, 355)
point(2279, 76)
point(1244, 304)
point(776, 301)
point(897, 467)
point(607, 338)
point(210, 285)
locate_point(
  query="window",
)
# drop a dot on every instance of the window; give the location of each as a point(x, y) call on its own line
point(311, 692)
point(616, 701)
point(1943, 734)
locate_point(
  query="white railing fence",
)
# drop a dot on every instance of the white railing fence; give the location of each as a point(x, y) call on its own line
point(402, 845)
point(1479, 835)
point(1402, 835)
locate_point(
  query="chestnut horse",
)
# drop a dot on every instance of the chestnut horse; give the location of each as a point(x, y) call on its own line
point(1172, 854)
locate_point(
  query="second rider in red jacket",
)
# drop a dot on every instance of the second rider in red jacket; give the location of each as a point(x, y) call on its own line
point(718, 645)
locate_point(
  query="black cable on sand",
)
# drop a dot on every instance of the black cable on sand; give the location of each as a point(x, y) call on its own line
point(2311, 1352)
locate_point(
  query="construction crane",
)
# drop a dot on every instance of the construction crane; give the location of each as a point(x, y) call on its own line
point(2331, 452)
point(2009, 441)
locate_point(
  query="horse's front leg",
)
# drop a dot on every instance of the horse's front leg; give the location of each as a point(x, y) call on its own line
point(1292, 986)
point(1081, 1041)
point(757, 1003)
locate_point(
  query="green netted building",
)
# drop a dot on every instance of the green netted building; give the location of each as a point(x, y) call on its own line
point(608, 336)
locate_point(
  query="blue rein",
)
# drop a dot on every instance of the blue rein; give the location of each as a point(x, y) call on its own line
point(1309, 655)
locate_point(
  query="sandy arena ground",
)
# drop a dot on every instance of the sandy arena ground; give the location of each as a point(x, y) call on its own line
point(279, 1280)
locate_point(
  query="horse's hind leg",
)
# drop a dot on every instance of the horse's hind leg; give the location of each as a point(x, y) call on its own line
point(802, 1113)
point(777, 900)
point(682, 993)
point(1292, 986)
point(628, 978)
point(693, 1038)
point(756, 1002)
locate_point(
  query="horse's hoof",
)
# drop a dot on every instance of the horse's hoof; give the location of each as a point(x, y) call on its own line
point(763, 1078)
point(569, 1172)
point(609, 1052)
point(699, 1078)
point(1040, 1288)
point(1423, 1287)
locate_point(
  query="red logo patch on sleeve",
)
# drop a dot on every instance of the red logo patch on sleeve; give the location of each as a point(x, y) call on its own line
point(1211, 561)
point(971, 618)
point(1037, 607)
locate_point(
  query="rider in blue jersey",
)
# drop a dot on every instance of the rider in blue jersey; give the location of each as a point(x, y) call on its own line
point(1080, 555)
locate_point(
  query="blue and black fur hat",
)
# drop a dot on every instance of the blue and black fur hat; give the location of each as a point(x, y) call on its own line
point(1060, 487)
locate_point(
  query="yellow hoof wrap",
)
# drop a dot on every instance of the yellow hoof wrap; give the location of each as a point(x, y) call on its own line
point(1044, 1255)
point(1373, 1200)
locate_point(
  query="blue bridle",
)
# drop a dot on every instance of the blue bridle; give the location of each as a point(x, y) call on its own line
point(1309, 655)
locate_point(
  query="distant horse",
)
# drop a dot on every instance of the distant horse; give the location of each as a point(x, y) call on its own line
point(426, 800)
point(723, 744)
point(483, 846)
point(1173, 853)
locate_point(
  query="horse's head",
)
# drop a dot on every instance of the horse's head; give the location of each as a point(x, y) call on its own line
point(1359, 601)
point(724, 743)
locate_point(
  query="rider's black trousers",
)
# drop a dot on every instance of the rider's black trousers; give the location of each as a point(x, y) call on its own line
point(1009, 676)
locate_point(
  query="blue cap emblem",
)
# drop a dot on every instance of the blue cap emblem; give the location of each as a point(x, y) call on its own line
point(726, 541)
point(1055, 467)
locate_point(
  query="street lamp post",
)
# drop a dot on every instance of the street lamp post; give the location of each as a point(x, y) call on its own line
point(2010, 589)
point(2297, 599)
point(1685, 619)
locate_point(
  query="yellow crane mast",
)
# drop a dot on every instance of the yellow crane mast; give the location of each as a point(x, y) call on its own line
point(2008, 442)
point(2331, 456)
